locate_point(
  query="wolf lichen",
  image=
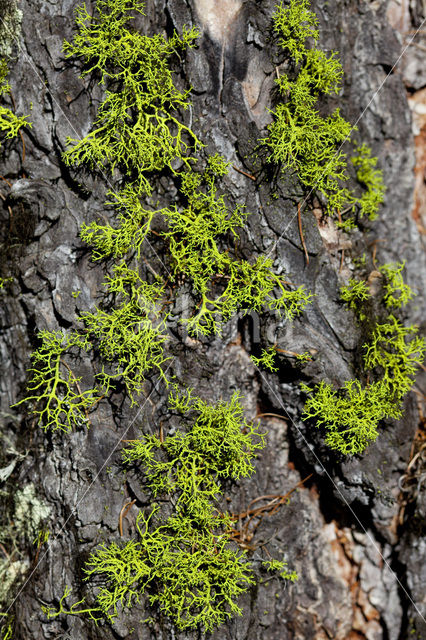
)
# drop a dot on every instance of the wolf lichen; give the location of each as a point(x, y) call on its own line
point(220, 444)
point(355, 295)
point(131, 336)
point(134, 225)
point(280, 566)
point(137, 128)
point(372, 178)
point(352, 413)
point(294, 24)
point(300, 138)
point(53, 391)
point(391, 352)
point(396, 292)
point(4, 281)
point(266, 359)
point(191, 575)
point(6, 629)
point(10, 124)
point(184, 562)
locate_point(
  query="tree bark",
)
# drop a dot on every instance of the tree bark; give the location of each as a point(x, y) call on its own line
point(354, 531)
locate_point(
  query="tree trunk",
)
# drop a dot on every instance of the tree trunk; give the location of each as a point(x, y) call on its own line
point(353, 528)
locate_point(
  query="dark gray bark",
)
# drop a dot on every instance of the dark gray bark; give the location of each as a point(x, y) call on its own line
point(359, 563)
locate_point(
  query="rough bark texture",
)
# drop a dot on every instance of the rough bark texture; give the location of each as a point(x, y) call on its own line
point(355, 539)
